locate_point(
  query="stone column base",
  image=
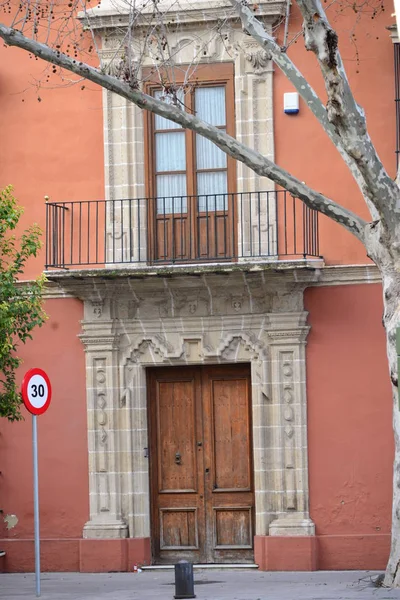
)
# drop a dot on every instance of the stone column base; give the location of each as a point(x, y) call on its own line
point(295, 524)
point(105, 530)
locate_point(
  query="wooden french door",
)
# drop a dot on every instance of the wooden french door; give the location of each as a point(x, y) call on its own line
point(190, 181)
point(201, 464)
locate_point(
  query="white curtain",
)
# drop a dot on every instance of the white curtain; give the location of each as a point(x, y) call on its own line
point(170, 150)
point(160, 122)
point(208, 155)
point(171, 194)
point(211, 162)
point(209, 185)
point(210, 106)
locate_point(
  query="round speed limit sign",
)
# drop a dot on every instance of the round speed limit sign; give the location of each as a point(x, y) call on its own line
point(36, 391)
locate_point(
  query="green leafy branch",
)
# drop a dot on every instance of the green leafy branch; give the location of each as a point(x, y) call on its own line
point(20, 304)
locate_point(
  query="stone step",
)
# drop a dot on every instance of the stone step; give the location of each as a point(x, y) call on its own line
point(204, 566)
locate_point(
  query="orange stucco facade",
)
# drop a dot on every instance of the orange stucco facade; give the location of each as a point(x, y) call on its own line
point(349, 417)
point(55, 147)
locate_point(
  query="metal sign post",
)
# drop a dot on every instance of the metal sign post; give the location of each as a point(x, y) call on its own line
point(36, 395)
point(36, 502)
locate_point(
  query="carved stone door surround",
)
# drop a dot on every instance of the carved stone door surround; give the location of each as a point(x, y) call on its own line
point(130, 324)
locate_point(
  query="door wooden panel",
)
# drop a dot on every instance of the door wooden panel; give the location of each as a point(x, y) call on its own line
point(176, 453)
point(233, 528)
point(179, 529)
point(230, 434)
point(200, 464)
point(172, 238)
point(215, 234)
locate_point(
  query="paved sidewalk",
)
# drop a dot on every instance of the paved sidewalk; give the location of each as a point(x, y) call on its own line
point(209, 585)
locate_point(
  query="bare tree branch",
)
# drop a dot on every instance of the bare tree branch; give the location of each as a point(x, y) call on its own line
point(257, 31)
point(344, 113)
point(254, 160)
point(352, 140)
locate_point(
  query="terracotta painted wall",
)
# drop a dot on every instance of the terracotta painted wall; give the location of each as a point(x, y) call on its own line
point(53, 147)
point(302, 147)
point(62, 432)
point(349, 420)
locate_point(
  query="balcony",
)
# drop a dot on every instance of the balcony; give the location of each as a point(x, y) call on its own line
point(251, 227)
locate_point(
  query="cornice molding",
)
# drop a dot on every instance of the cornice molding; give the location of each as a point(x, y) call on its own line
point(108, 17)
point(80, 284)
point(52, 290)
point(348, 275)
point(99, 343)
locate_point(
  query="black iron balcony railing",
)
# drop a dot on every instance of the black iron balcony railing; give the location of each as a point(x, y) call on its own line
point(186, 229)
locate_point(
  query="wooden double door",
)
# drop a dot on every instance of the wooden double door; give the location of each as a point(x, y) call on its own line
point(201, 464)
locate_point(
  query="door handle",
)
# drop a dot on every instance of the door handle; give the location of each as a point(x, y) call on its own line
point(178, 459)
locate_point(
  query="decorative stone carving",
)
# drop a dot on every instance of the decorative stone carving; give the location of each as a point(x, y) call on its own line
point(97, 308)
point(101, 433)
point(288, 419)
point(110, 62)
point(259, 60)
point(237, 304)
point(126, 308)
point(192, 306)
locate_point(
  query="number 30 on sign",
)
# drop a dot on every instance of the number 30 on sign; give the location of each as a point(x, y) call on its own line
point(36, 391)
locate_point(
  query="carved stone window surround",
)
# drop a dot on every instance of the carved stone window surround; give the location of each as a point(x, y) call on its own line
point(124, 125)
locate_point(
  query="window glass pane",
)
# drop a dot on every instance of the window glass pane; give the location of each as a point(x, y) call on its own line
point(208, 155)
point(170, 151)
point(210, 104)
point(160, 122)
point(171, 194)
point(210, 186)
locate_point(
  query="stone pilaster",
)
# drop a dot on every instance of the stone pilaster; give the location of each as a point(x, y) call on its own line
point(134, 449)
point(287, 338)
point(126, 214)
point(101, 346)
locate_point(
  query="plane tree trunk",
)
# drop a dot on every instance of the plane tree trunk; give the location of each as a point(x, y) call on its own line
point(391, 321)
point(383, 247)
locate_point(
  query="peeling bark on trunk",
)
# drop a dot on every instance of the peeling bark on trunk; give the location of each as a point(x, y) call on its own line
point(391, 320)
point(384, 251)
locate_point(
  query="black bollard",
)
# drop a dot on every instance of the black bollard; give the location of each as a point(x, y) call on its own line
point(184, 584)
